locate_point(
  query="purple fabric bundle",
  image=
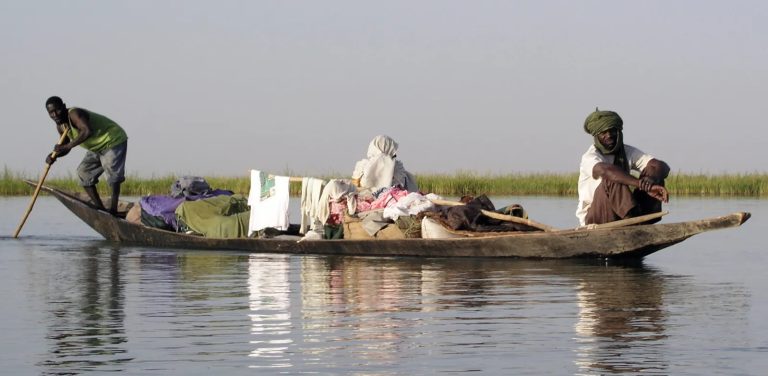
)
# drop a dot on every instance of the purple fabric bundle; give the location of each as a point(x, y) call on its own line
point(165, 206)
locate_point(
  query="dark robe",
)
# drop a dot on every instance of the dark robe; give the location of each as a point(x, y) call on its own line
point(613, 201)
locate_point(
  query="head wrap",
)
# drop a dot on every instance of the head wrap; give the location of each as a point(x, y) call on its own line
point(377, 170)
point(601, 121)
point(382, 144)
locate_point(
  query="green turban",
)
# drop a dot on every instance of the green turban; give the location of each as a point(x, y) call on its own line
point(601, 121)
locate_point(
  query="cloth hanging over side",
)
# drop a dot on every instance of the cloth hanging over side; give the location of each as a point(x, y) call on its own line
point(311, 189)
point(336, 190)
point(268, 197)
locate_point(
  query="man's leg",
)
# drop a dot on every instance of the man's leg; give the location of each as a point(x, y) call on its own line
point(611, 202)
point(115, 198)
point(88, 171)
point(93, 193)
point(113, 161)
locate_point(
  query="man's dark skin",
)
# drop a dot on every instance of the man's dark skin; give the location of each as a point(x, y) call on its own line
point(79, 120)
point(655, 172)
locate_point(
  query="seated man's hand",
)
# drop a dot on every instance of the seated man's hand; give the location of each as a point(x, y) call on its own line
point(646, 182)
point(659, 192)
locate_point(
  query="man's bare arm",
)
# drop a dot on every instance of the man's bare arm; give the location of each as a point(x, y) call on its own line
point(610, 172)
point(649, 183)
point(79, 120)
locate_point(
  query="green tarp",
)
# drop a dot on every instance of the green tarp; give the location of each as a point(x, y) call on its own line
point(215, 217)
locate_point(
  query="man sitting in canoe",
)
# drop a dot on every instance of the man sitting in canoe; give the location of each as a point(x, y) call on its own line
point(605, 182)
point(106, 144)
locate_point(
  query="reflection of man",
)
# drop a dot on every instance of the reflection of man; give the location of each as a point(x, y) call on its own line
point(621, 320)
point(84, 315)
point(605, 179)
point(106, 144)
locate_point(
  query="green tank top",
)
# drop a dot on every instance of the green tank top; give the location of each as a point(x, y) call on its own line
point(105, 133)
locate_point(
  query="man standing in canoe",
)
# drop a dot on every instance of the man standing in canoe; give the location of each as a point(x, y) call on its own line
point(605, 180)
point(106, 145)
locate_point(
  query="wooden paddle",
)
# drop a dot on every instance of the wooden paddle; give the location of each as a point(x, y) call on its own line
point(502, 217)
point(39, 185)
point(626, 222)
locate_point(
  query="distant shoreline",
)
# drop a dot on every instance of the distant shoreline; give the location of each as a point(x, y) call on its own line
point(515, 184)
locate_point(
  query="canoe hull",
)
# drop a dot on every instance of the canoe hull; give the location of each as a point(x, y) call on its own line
point(632, 242)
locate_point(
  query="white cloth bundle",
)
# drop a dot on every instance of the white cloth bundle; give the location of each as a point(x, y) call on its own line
point(268, 198)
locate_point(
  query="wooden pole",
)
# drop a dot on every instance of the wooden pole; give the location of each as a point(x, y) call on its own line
point(39, 185)
point(626, 222)
point(502, 217)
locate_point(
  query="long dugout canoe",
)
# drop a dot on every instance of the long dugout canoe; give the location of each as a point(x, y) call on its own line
point(631, 242)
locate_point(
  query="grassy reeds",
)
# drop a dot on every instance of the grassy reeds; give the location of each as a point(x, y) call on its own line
point(467, 183)
point(458, 184)
point(742, 185)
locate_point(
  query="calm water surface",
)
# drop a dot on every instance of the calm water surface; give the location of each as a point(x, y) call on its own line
point(74, 304)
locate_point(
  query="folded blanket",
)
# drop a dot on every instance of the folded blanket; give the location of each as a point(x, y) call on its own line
point(215, 217)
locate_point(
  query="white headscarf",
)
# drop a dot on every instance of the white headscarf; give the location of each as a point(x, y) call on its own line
point(382, 144)
point(381, 169)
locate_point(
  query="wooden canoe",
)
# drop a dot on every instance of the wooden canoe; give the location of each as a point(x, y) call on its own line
point(631, 242)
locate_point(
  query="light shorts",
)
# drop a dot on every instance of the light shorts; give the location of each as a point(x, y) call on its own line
point(111, 161)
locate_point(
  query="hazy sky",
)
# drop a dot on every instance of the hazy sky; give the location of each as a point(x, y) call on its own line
point(220, 87)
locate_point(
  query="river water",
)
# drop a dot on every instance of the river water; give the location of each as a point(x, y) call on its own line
point(72, 303)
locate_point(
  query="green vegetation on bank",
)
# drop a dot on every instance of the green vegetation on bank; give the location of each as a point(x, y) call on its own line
point(734, 185)
point(461, 183)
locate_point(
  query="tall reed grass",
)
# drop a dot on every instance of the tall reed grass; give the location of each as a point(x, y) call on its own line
point(458, 184)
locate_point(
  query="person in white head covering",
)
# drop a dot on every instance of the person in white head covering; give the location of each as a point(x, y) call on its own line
point(381, 169)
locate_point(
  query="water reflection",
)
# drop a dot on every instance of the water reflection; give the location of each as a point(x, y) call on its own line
point(620, 309)
point(270, 310)
point(86, 313)
point(354, 300)
point(328, 314)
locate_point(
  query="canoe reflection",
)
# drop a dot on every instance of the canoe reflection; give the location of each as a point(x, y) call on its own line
point(85, 315)
point(371, 304)
point(327, 313)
